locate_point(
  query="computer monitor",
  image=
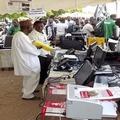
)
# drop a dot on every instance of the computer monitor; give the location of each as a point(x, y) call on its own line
point(85, 74)
point(67, 43)
point(8, 42)
point(91, 49)
point(99, 57)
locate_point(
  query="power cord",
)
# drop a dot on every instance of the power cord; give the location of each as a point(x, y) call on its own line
point(54, 80)
point(109, 80)
point(57, 79)
point(61, 110)
point(64, 113)
point(113, 70)
point(40, 104)
point(116, 75)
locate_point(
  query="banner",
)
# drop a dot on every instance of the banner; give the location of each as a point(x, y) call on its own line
point(19, 5)
point(37, 12)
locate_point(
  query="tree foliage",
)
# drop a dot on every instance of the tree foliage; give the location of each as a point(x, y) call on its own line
point(61, 11)
point(13, 16)
point(52, 12)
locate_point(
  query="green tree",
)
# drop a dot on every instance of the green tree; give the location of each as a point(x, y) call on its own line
point(23, 14)
point(49, 13)
point(6, 15)
point(79, 9)
point(14, 16)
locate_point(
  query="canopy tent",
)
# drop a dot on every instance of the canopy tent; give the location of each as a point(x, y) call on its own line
point(48, 5)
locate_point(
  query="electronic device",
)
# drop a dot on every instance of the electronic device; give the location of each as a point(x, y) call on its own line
point(105, 70)
point(71, 57)
point(91, 49)
point(99, 57)
point(78, 33)
point(102, 80)
point(85, 74)
point(66, 43)
point(63, 65)
point(78, 36)
point(8, 42)
point(81, 108)
point(81, 58)
point(112, 56)
point(70, 51)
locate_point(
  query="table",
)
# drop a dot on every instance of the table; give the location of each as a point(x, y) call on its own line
point(56, 97)
point(5, 58)
point(62, 98)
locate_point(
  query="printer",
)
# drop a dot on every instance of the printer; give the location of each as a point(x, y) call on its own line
point(81, 108)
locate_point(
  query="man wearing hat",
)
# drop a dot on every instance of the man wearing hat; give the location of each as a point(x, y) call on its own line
point(24, 56)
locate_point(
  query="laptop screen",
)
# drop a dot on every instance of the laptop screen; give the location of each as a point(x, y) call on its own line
point(8, 42)
point(84, 74)
point(91, 49)
point(99, 57)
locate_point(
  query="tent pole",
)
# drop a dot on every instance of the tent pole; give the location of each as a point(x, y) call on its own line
point(116, 8)
point(76, 7)
point(117, 29)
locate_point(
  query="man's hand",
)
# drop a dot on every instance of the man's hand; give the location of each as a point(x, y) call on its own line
point(38, 47)
point(49, 56)
point(55, 42)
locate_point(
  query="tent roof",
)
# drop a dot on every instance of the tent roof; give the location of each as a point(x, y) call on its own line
point(48, 5)
point(65, 4)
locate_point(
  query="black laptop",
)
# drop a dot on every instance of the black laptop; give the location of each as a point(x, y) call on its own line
point(8, 42)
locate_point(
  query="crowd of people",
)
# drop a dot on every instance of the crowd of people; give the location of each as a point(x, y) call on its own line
point(33, 62)
point(55, 27)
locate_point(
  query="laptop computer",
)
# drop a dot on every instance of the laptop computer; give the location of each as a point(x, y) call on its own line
point(85, 74)
point(8, 42)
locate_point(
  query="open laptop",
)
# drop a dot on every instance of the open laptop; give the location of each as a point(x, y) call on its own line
point(8, 42)
point(85, 74)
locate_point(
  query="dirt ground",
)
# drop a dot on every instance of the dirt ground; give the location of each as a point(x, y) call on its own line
point(12, 107)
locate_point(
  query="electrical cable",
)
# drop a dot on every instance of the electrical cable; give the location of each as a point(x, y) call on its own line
point(109, 80)
point(113, 70)
point(40, 104)
point(116, 75)
point(50, 113)
point(61, 110)
point(53, 81)
point(57, 79)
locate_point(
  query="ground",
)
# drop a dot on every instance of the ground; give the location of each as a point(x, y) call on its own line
point(12, 107)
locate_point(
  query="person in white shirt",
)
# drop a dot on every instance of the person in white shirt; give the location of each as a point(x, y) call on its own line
point(88, 28)
point(4, 34)
point(45, 57)
point(61, 28)
point(69, 21)
point(25, 59)
point(50, 30)
point(37, 34)
point(118, 44)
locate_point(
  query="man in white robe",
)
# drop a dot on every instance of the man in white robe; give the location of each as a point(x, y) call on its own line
point(25, 60)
